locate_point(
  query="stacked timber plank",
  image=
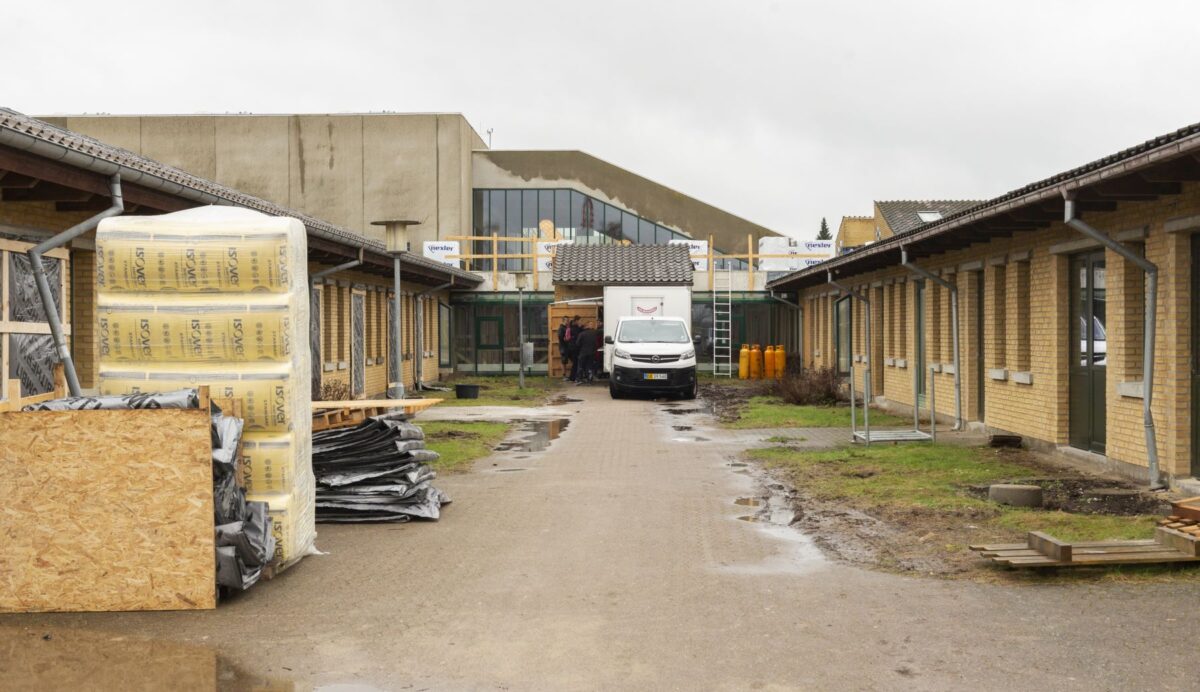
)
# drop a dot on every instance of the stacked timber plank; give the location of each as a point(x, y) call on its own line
point(1042, 550)
point(375, 471)
point(342, 414)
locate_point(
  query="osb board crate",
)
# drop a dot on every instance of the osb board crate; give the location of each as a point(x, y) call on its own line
point(106, 510)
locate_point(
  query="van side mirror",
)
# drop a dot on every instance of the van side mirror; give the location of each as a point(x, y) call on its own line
point(695, 339)
point(608, 340)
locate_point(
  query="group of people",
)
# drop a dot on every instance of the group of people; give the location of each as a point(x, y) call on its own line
point(581, 343)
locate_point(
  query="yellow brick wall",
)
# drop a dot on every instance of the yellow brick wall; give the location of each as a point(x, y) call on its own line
point(1031, 333)
point(335, 329)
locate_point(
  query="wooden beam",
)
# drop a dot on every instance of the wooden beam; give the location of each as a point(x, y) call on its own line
point(44, 192)
point(1183, 169)
point(1134, 187)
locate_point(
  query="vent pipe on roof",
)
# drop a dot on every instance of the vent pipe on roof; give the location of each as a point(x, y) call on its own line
point(43, 285)
point(1149, 317)
point(924, 273)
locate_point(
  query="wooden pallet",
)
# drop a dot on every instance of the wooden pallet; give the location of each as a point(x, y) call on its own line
point(1188, 508)
point(342, 414)
point(1042, 550)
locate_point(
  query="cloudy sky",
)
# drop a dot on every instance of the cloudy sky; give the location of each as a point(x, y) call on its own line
point(780, 112)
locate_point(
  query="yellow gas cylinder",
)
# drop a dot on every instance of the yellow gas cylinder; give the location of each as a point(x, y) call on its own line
point(744, 362)
point(780, 362)
point(756, 362)
point(769, 363)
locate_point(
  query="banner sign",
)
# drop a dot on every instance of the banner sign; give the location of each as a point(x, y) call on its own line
point(545, 253)
point(801, 254)
point(698, 249)
point(442, 251)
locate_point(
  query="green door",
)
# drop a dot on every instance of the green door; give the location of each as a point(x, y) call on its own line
point(919, 340)
point(1088, 342)
point(842, 334)
point(489, 344)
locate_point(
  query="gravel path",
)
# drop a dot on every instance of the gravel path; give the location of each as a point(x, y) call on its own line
point(615, 560)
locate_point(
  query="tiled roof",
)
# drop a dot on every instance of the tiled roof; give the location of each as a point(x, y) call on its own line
point(901, 215)
point(38, 129)
point(629, 265)
point(1147, 154)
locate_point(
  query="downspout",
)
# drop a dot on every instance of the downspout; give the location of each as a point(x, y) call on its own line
point(419, 337)
point(799, 324)
point(867, 376)
point(924, 273)
point(43, 285)
point(1149, 317)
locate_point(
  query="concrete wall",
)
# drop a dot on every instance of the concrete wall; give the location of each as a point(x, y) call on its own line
point(347, 169)
point(577, 170)
point(1026, 340)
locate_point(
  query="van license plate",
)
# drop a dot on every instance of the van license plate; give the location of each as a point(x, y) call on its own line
point(654, 375)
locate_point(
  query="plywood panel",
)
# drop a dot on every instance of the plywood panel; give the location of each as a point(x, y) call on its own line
point(557, 311)
point(106, 510)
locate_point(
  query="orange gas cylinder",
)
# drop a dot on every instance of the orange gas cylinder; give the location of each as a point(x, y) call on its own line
point(755, 362)
point(780, 362)
point(769, 363)
point(744, 362)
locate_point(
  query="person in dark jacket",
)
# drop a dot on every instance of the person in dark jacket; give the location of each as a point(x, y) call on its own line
point(589, 338)
point(574, 327)
point(564, 351)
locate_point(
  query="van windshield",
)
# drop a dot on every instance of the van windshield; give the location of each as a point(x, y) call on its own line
point(653, 332)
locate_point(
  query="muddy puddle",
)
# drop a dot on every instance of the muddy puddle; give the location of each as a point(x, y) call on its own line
point(770, 509)
point(563, 399)
point(534, 435)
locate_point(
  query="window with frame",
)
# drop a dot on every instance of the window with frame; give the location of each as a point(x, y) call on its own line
point(26, 348)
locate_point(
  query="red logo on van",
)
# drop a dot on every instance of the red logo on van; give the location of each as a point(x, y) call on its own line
point(647, 311)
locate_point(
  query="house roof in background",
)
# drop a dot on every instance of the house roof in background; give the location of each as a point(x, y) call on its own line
point(623, 265)
point(904, 215)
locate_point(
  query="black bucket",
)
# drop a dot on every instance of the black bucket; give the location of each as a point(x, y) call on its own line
point(466, 391)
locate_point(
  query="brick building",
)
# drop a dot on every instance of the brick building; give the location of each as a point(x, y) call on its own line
point(1050, 320)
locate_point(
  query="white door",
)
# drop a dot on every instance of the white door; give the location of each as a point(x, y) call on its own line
point(647, 306)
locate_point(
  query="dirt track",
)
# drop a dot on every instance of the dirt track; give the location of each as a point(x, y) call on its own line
point(615, 560)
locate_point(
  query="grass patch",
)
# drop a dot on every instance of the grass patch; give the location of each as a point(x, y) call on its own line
point(502, 390)
point(461, 443)
point(772, 412)
point(924, 491)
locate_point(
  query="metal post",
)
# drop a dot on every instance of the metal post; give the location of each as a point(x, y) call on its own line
point(867, 403)
point(932, 406)
point(853, 429)
point(953, 288)
point(398, 315)
point(521, 336)
point(43, 285)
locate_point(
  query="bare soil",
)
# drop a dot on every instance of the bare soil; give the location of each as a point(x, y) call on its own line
point(933, 542)
point(728, 398)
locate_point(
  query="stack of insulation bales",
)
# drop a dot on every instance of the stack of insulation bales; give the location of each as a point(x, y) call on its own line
point(217, 296)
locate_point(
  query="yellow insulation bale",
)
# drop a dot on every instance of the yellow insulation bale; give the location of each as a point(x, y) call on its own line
point(269, 402)
point(269, 462)
point(194, 333)
point(293, 522)
point(181, 260)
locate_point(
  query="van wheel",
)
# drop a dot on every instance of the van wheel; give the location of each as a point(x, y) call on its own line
point(614, 392)
point(691, 393)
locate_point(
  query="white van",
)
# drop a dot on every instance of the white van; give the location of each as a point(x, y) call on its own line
point(653, 355)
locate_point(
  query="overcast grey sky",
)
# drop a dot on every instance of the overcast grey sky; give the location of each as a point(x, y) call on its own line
point(780, 112)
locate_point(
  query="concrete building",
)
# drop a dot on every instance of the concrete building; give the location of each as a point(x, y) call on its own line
point(340, 173)
point(1051, 321)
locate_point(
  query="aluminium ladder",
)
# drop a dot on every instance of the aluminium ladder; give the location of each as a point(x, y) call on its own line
point(722, 299)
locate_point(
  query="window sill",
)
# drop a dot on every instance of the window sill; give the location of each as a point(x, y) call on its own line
point(327, 367)
point(901, 363)
point(935, 367)
point(342, 365)
point(948, 368)
point(998, 374)
point(1132, 390)
point(890, 362)
point(1022, 377)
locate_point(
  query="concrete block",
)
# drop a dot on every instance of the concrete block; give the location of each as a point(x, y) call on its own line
point(1015, 495)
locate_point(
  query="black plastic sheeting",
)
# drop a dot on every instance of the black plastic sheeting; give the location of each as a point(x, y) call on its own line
point(245, 543)
point(375, 471)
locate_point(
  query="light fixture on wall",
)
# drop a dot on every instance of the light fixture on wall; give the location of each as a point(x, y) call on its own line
point(397, 245)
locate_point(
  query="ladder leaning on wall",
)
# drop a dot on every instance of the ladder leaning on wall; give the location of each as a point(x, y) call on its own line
point(722, 300)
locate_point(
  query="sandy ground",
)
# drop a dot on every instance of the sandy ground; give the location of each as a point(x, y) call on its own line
point(615, 560)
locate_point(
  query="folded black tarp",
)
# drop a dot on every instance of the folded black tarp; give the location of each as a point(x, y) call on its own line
point(375, 471)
